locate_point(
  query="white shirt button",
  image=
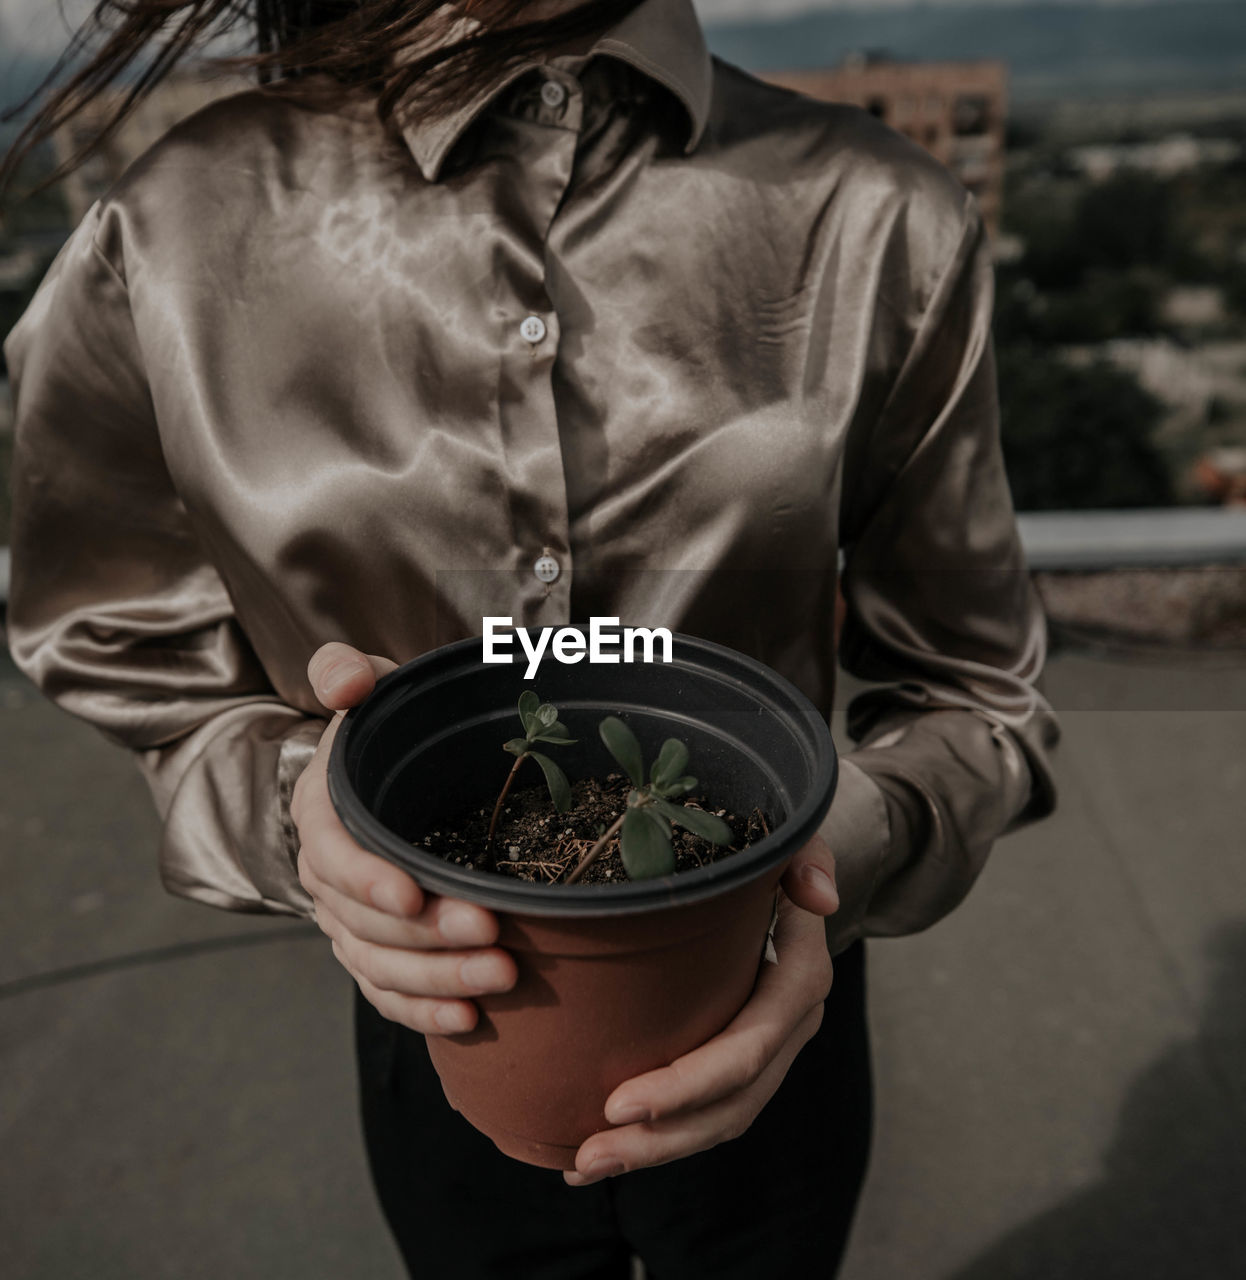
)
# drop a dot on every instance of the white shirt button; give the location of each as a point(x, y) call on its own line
point(533, 329)
point(553, 94)
point(546, 569)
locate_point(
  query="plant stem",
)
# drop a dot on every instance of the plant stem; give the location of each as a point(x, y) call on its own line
point(497, 809)
point(591, 855)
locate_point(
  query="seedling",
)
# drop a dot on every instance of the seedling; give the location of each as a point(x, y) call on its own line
point(540, 724)
point(644, 827)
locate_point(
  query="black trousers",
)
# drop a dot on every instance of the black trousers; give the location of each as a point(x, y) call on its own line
point(776, 1202)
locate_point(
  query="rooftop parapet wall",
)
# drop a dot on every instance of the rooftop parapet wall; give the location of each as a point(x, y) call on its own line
point(1138, 539)
point(1171, 578)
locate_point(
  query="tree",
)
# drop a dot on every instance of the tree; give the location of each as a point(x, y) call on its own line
point(1078, 437)
point(1127, 221)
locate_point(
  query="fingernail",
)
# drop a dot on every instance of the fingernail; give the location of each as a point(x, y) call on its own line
point(334, 677)
point(385, 897)
point(480, 973)
point(819, 881)
point(460, 926)
point(451, 1017)
point(605, 1167)
point(628, 1113)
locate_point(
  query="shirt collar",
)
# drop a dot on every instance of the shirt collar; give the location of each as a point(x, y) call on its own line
point(661, 38)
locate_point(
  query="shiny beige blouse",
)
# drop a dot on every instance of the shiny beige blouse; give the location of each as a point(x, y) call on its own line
point(685, 334)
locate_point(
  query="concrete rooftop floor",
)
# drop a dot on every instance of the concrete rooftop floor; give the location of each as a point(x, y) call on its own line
point(1060, 1064)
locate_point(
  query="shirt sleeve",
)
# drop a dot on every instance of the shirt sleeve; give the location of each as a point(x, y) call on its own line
point(952, 745)
point(117, 614)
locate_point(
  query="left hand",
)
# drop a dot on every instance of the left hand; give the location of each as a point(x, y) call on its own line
point(715, 1092)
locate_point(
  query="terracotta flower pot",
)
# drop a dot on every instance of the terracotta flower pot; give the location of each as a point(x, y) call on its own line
point(614, 980)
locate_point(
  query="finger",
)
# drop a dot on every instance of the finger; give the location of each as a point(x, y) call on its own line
point(313, 782)
point(421, 973)
point(342, 676)
point(809, 880)
point(738, 1055)
point(642, 1146)
point(443, 923)
point(311, 787)
point(333, 858)
point(329, 854)
point(427, 1016)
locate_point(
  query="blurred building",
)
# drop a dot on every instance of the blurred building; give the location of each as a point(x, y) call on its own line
point(177, 96)
point(956, 110)
point(1220, 475)
point(1164, 158)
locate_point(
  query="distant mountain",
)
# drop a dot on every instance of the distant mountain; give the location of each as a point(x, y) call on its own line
point(1054, 50)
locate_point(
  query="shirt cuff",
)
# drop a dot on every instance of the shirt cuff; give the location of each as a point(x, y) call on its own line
point(295, 755)
point(858, 830)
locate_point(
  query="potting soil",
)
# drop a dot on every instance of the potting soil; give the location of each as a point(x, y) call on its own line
point(534, 842)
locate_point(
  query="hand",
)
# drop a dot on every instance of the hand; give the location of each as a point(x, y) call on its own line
point(416, 957)
point(715, 1092)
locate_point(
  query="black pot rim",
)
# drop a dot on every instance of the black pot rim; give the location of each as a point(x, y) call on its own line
point(520, 897)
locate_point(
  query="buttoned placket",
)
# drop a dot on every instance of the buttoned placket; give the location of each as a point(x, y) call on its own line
point(540, 134)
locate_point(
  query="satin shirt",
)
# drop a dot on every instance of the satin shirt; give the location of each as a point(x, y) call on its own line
point(685, 335)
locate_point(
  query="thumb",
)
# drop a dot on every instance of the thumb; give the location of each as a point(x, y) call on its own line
point(809, 880)
point(342, 676)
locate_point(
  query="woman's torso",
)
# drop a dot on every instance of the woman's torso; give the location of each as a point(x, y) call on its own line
point(371, 449)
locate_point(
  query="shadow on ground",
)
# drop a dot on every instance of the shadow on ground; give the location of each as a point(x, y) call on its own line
point(1171, 1201)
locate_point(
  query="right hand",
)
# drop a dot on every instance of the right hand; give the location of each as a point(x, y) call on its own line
point(417, 958)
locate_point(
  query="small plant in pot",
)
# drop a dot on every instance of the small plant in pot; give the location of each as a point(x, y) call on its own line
point(638, 836)
point(617, 975)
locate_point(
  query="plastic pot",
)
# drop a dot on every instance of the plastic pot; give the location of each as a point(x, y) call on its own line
point(614, 980)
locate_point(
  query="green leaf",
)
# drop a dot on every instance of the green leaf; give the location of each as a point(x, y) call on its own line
point(671, 762)
point(680, 787)
point(646, 852)
point(621, 743)
point(546, 714)
point(556, 780)
point(662, 824)
point(672, 790)
point(516, 746)
point(700, 823)
point(528, 704)
point(557, 732)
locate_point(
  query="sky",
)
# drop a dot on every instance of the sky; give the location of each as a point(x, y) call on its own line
point(36, 27)
point(755, 10)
